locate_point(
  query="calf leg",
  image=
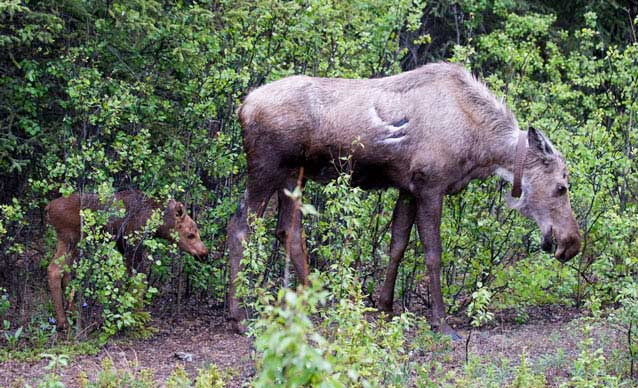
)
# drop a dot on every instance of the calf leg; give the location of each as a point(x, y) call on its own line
point(57, 283)
point(135, 259)
point(290, 233)
point(67, 276)
point(402, 220)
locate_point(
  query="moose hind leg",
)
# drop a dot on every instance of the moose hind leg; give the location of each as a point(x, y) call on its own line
point(254, 202)
point(402, 221)
point(290, 233)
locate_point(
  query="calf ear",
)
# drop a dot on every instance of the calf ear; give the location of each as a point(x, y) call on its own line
point(539, 143)
point(177, 209)
point(180, 212)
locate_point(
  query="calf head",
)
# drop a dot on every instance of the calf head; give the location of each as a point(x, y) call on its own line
point(545, 197)
point(187, 232)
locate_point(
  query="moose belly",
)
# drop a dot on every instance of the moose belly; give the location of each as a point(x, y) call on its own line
point(365, 174)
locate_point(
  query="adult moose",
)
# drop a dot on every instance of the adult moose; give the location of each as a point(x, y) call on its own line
point(427, 132)
point(64, 215)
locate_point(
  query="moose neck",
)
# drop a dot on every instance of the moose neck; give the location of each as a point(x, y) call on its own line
point(166, 228)
point(506, 151)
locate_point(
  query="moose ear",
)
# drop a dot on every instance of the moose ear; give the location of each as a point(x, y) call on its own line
point(177, 209)
point(539, 143)
point(180, 212)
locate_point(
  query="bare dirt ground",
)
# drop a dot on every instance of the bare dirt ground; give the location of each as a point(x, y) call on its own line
point(549, 338)
point(206, 338)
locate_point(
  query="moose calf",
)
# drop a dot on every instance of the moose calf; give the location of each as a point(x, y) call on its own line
point(64, 215)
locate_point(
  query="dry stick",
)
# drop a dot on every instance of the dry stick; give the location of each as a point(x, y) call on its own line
point(295, 210)
point(467, 345)
point(632, 352)
point(180, 285)
point(631, 24)
point(287, 266)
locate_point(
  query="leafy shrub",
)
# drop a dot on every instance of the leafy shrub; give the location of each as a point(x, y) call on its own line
point(300, 343)
point(525, 377)
point(624, 319)
point(323, 335)
point(589, 367)
point(4, 302)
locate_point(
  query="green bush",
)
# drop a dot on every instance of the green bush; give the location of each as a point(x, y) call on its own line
point(102, 96)
point(302, 343)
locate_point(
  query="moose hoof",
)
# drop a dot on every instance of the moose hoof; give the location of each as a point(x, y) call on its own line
point(454, 335)
point(239, 327)
point(385, 307)
point(447, 330)
point(62, 326)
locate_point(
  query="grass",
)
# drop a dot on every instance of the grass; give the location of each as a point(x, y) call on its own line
point(69, 348)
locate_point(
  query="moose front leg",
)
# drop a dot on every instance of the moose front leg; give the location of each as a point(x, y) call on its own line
point(58, 280)
point(402, 220)
point(429, 225)
point(135, 259)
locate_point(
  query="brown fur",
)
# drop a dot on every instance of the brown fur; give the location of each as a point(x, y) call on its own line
point(64, 215)
point(427, 132)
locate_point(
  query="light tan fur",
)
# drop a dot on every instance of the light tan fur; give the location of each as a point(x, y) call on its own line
point(64, 215)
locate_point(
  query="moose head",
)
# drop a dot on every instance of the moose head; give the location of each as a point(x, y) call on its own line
point(189, 240)
point(545, 197)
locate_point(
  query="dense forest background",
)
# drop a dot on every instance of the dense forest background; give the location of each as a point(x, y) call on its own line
point(101, 96)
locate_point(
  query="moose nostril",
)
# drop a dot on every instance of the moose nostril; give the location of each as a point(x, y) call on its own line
point(547, 243)
point(568, 248)
point(203, 251)
point(548, 247)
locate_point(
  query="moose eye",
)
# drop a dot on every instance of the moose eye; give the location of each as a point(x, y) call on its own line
point(561, 190)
